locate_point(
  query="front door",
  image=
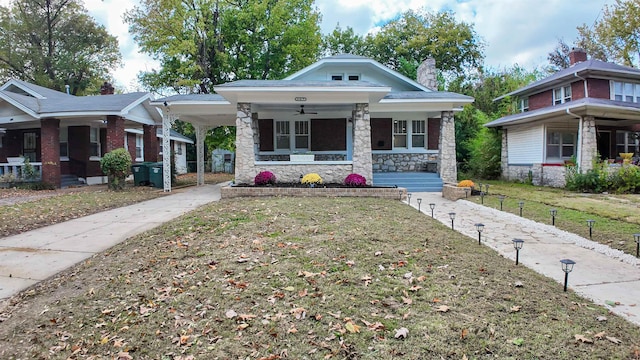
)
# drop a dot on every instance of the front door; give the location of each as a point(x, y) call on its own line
point(604, 144)
point(29, 145)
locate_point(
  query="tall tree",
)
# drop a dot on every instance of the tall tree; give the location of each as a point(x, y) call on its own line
point(54, 43)
point(417, 35)
point(201, 43)
point(341, 41)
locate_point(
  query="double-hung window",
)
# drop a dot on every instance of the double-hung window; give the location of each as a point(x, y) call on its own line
point(418, 132)
point(139, 147)
point(299, 139)
point(562, 95)
point(626, 142)
point(625, 91)
point(302, 135)
point(94, 139)
point(524, 104)
point(561, 145)
point(400, 133)
point(64, 142)
point(283, 141)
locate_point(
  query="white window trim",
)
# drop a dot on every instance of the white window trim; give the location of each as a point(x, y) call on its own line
point(546, 144)
point(141, 157)
point(635, 95)
point(524, 101)
point(66, 129)
point(292, 136)
point(98, 157)
point(564, 98)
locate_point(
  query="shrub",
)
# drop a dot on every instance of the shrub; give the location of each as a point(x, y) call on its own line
point(355, 180)
point(466, 183)
point(116, 164)
point(28, 171)
point(311, 178)
point(264, 178)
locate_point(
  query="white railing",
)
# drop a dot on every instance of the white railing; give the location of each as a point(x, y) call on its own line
point(16, 168)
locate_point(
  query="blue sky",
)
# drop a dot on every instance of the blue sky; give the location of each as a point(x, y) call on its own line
point(515, 31)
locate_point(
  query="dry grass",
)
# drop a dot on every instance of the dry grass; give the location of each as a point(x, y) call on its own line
point(306, 278)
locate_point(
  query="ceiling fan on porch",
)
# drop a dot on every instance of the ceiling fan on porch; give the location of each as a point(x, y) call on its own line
point(302, 112)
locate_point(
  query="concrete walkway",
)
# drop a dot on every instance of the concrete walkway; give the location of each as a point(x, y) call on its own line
point(601, 274)
point(33, 256)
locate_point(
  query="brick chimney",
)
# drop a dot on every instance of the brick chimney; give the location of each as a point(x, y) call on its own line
point(106, 89)
point(428, 74)
point(577, 55)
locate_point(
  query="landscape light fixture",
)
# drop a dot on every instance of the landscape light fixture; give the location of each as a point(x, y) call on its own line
point(400, 194)
point(517, 244)
point(419, 202)
point(432, 206)
point(479, 228)
point(409, 198)
point(482, 197)
point(501, 199)
point(466, 193)
point(452, 216)
point(636, 237)
point(590, 224)
point(553, 213)
point(567, 267)
point(486, 186)
point(520, 205)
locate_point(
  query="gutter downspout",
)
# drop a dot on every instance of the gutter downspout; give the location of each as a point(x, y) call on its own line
point(579, 147)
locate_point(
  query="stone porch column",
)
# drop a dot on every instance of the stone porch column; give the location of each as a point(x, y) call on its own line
point(245, 147)
point(447, 149)
point(201, 134)
point(151, 143)
point(50, 151)
point(504, 155)
point(115, 133)
point(588, 143)
point(362, 160)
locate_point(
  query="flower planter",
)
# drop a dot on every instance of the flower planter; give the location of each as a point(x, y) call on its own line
point(301, 157)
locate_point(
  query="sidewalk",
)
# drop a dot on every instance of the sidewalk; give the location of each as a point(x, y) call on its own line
point(600, 273)
point(33, 256)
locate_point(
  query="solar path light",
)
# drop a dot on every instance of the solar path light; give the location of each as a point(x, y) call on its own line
point(520, 205)
point(501, 199)
point(452, 216)
point(553, 213)
point(517, 244)
point(419, 202)
point(479, 228)
point(590, 225)
point(432, 206)
point(567, 267)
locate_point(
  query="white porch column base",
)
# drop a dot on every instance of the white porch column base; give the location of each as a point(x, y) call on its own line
point(362, 160)
point(447, 149)
point(201, 134)
point(588, 143)
point(168, 119)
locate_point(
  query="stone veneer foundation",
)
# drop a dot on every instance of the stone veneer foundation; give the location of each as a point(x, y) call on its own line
point(229, 192)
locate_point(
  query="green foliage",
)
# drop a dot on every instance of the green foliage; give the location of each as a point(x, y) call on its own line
point(28, 171)
point(36, 186)
point(342, 42)
point(55, 43)
point(626, 179)
point(484, 152)
point(116, 165)
point(623, 179)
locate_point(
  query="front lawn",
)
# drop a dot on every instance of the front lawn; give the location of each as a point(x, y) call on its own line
point(307, 278)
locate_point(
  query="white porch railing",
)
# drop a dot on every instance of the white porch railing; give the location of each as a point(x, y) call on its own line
point(16, 169)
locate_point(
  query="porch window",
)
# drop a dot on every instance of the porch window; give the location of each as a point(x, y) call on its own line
point(560, 145)
point(139, 147)
point(64, 142)
point(400, 133)
point(417, 133)
point(302, 134)
point(282, 135)
point(94, 140)
point(626, 142)
point(561, 95)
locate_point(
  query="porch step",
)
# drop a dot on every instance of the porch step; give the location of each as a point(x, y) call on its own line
point(70, 181)
point(412, 181)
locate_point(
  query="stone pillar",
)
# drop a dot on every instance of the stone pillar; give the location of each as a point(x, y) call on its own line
point(362, 158)
point(50, 151)
point(150, 140)
point(447, 149)
point(115, 133)
point(168, 118)
point(588, 143)
point(245, 147)
point(504, 155)
point(201, 134)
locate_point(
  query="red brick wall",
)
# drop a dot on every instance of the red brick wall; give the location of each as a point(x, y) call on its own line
point(599, 88)
point(150, 139)
point(50, 151)
point(115, 133)
point(541, 100)
point(577, 90)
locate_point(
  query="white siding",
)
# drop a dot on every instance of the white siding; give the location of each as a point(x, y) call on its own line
point(525, 145)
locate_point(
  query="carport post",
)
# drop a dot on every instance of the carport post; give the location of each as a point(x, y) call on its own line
point(168, 118)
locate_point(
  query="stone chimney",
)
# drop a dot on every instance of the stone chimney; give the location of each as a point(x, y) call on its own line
point(428, 74)
point(577, 55)
point(106, 89)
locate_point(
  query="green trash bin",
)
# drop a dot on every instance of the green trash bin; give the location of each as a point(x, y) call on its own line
point(140, 173)
point(155, 175)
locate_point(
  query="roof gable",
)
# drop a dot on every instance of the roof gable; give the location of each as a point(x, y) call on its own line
point(28, 89)
point(366, 69)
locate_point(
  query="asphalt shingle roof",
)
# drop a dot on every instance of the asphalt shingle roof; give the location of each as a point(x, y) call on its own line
point(297, 83)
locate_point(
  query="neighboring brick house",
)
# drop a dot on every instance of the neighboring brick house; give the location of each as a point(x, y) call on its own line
point(62, 134)
point(351, 114)
point(591, 110)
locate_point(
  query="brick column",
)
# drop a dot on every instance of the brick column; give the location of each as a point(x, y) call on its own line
point(447, 150)
point(245, 147)
point(50, 151)
point(362, 157)
point(151, 143)
point(115, 133)
point(588, 143)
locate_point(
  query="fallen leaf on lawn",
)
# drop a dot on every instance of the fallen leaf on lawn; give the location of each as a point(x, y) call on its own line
point(302, 293)
point(599, 335)
point(299, 313)
point(415, 288)
point(407, 300)
point(245, 317)
point(601, 318)
point(230, 314)
point(464, 333)
point(401, 333)
point(307, 274)
point(583, 339)
point(352, 328)
point(436, 300)
point(614, 340)
point(377, 326)
point(406, 316)
point(421, 278)
point(292, 330)
point(242, 326)
point(518, 341)
point(442, 308)
point(289, 288)
point(515, 308)
point(124, 356)
point(184, 339)
point(518, 284)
